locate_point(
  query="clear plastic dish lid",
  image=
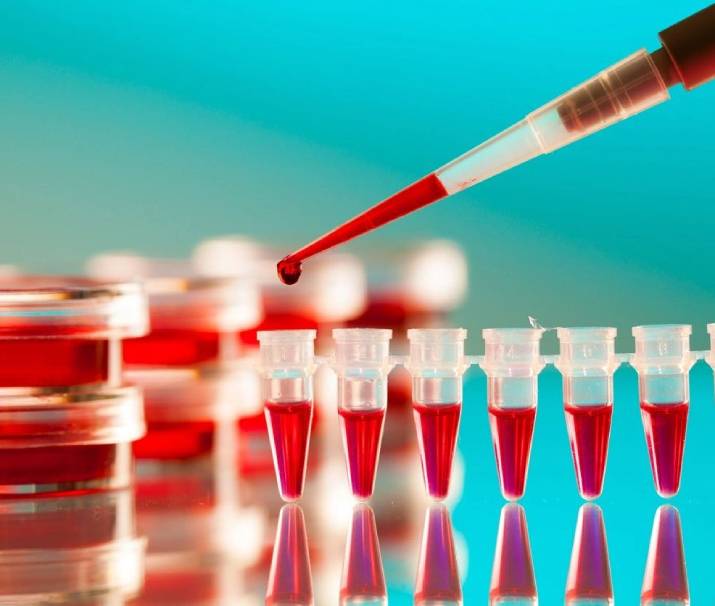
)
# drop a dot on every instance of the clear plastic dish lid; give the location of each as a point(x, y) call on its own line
point(179, 298)
point(70, 307)
point(70, 417)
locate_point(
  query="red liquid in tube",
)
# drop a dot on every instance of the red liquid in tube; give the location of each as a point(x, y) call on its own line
point(437, 572)
point(289, 432)
point(362, 435)
point(437, 431)
point(665, 426)
point(589, 429)
point(421, 193)
point(363, 579)
point(512, 432)
point(666, 580)
point(513, 571)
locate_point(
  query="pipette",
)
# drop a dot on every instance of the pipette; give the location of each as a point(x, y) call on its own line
point(640, 81)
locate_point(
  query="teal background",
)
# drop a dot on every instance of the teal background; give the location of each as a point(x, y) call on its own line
point(152, 125)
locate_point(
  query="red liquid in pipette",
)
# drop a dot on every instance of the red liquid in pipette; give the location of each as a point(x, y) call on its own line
point(665, 426)
point(437, 430)
point(289, 432)
point(362, 434)
point(421, 193)
point(363, 580)
point(589, 579)
point(167, 440)
point(589, 428)
point(512, 431)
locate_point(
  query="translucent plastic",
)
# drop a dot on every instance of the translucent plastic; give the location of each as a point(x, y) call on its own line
point(513, 579)
point(362, 363)
point(587, 362)
point(437, 364)
point(665, 581)
point(70, 550)
point(64, 441)
point(193, 318)
point(290, 579)
point(437, 571)
point(626, 88)
point(363, 580)
point(663, 360)
point(287, 366)
point(711, 354)
point(512, 363)
point(589, 580)
point(62, 331)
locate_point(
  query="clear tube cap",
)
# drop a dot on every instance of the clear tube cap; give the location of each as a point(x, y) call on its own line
point(439, 348)
point(585, 348)
point(662, 345)
point(362, 347)
point(512, 348)
point(287, 349)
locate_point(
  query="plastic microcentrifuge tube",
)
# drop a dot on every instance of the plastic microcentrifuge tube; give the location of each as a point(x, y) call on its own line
point(587, 362)
point(665, 580)
point(362, 363)
point(437, 570)
point(436, 363)
point(290, 580)
point(589, 580)
point(513, 579)
point(363, 580)
point(512, 364)
point(663, 360)
point(287, 366)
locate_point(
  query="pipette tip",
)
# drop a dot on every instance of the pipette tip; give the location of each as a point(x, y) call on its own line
point(289, 271)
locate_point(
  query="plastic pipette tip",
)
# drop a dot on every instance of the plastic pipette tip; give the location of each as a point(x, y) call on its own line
point(513, 572)
point(289, 271)
point(363, 580)
point(437, 570)
point(665, 580)
point(290, 579)
point(589, 580)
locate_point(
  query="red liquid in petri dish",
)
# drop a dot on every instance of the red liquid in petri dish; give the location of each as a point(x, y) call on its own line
point(64, 469)
point(363, 580)
point(513, 571)
point(56, 361)
point(589, 580)
point(589, 429)
point(512, 431)
point(173, 347)
point(666, 579)
point(289, 433)
point(437, 430)
point(166, 440)
point(362, 434)
point(665, 426)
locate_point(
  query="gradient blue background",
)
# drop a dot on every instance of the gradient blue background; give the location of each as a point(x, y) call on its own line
point(151, 125)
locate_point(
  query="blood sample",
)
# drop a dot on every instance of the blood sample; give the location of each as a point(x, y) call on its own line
point(512, 572)
point(362, 363)
point(437, 364)
point(663, 362)
point(437, 571)
point(68, 441)
point(287, 366)
point(60, 331)
point(512, 364)
point(665, 580)
point(363, 580)
point(290, 580)
point(78, 549)
point(587, 362)
point(589, 580)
